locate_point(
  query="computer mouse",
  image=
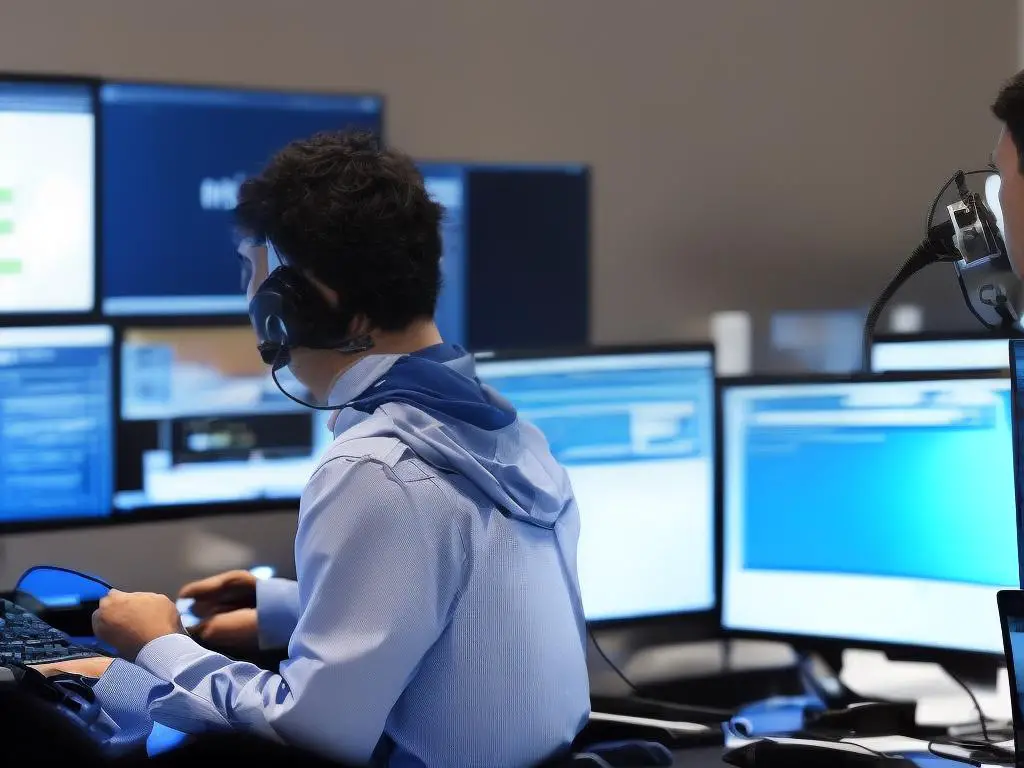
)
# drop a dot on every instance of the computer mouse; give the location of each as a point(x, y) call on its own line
point(809, 753)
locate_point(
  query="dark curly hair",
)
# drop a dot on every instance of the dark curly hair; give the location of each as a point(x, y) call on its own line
point(1009, 109)
point(357, 217)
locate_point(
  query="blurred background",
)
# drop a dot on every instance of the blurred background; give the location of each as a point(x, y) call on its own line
point(758, 169)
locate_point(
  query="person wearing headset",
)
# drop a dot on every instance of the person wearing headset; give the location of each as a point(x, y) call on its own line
point(436, 619)
point(1008, 158)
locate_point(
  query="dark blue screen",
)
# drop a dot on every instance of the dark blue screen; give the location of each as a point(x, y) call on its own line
point(172, 161)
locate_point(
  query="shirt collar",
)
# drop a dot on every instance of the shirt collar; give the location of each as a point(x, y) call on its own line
point(357, 379)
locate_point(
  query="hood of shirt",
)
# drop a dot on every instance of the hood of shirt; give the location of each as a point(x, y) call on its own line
point(433, 402)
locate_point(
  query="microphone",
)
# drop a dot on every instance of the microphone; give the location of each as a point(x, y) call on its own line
point(972, 242)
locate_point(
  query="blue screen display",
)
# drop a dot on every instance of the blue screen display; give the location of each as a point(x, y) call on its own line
point(636, 435)
point(173, 159)
point(893, 494)
point(446, 184)
point(56, 417)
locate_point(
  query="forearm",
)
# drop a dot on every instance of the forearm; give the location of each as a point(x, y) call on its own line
point(277, 611)
point(185, 687)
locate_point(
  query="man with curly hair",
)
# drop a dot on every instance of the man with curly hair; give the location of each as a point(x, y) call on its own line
point(436, 619)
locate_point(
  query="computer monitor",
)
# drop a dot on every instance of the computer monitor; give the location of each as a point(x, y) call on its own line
point(939, 353)
point(516, 254)
point(173, 159)
point(47, 197)
point(57, 423)
point(873, 512)
point(635, 431)
point(1016, 349)
point(204, 426)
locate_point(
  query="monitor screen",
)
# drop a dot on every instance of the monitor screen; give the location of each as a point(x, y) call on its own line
point(514, 231)
point(874, 512)
point(203, 423)
point(173, 159)
point(939, 355)
point(56, 418)
point(447, 186)
point(636, 434)
point(47, 198)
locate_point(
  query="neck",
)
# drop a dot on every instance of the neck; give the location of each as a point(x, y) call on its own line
point(321, 369)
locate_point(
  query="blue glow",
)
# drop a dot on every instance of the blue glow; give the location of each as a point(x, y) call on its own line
point(850, 499)
point(56, 418)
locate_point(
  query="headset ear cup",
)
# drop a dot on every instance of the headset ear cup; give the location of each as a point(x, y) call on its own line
point(288, 312)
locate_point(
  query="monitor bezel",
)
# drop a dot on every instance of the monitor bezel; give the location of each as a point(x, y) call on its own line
point(688, 625)
point(818, 643)
point(94, 314)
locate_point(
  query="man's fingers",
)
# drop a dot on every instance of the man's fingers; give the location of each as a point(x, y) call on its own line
point(202, 587)
point(204, 609)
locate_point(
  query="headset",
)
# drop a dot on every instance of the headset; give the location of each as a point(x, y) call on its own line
point(287, 312)
point(972, 241)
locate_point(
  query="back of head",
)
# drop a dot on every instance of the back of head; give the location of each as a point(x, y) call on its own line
point(1009, 110)
point(357, 218)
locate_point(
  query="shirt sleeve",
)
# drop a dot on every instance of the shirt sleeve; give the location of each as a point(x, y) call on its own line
point(378, 578)
point(277, 611)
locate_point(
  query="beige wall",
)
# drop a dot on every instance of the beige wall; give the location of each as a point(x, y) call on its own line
point(747, 153)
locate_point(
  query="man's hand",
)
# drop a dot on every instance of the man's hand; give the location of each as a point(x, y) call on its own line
point(234, 630)
point(94, 666)
point(128, 621)
point(221, 593)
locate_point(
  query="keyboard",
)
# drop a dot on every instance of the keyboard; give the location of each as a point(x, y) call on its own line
point(27, 639)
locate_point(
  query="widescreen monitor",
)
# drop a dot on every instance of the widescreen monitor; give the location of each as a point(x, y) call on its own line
point(877, 512)
point(516, 254)
point(57, 423)
point(173, 158)
point(203, 424)
point(912, 353)
point(47, 197)
point(635, 431)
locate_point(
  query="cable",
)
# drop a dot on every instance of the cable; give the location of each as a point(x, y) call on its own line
point(974, 700)
point(952, 180)
point(294, 399)
point(610, 663)
point(924, 255)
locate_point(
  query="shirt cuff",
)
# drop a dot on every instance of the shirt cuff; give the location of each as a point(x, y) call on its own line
point(125, 692)
point(167, 656)
point(277, 611)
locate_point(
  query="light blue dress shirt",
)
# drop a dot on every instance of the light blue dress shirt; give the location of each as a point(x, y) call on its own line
point(436, 620)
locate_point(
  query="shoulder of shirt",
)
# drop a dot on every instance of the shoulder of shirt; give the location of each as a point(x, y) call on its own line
point(388, 451)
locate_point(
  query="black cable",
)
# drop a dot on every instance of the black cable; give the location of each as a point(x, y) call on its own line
point(924, 255)
point(610, 663)
point(294, 399)
point(974, 700)
point(952, 180)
